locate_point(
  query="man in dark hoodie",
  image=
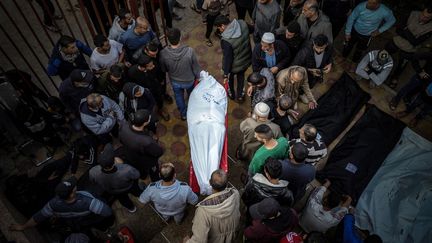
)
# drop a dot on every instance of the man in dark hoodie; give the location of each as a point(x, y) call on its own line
point(182, 66)
point(77, 86)
point(134, 98)
point(169, 195)
point(66, 56)
point(142, 151)
point(236, 51)
point(270, 221)
point(115, 179)
point(111, 82)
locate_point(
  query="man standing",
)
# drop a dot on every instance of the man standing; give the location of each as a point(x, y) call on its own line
point(313, 22)
point(290, 80)
point(121, 23)
point(115, 179)
point(111, 82)
point(316, 148)
point(250, 144)
point(236, 51)
point(270, 53)
point(217, 217)
point(106, 54)
point(296, 172)
point(277, 149)
point(291, 36)
point(367, 20)
point(266, 17)
point(76, 87)
point(169, 195)
point(316, 58)
point(182, 66)
point(142, 150)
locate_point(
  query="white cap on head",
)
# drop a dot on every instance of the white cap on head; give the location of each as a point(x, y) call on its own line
point(262, 109)
point(268, 38)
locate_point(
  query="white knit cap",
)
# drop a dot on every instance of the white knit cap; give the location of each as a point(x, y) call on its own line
point(262, 109)
point(268, 38)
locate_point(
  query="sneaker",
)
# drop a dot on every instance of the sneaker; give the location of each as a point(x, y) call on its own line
point(176, 17)
point(231, 95)
point(133, 210)
point(209, 43)
point(304, 99)
point(241, 98)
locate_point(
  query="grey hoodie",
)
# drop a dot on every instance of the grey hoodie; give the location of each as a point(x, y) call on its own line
point(181, 63)
point(116, 30)
point(169, 200)
point(232, 31)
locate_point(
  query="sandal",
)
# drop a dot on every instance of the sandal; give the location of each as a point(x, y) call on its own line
point(393, 84)
point(209, 43)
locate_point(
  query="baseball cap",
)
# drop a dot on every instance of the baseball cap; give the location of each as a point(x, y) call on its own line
point(268, 38)
point(79, 75)
point(64, 188)
point(265, 209)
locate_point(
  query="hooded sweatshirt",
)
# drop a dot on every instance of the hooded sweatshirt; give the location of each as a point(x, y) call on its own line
point(130, 104)
point(217, 218)
point(71, 96)
point(169, 200)
point(236, 48)
point(116, 30)
point(181, 63)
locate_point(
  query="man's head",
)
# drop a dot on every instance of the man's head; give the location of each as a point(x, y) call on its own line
point(292, 29)
point(142, 25)
point(174, 36)
point(152, 49)
point(145, 63)
point(138, 91)
point(310, 9)
point(261, 111)
point(272, 168)
point(125, 16)
point(218, 180)
point(298, 152)
point(221, 22)
point(320, 43)
point(263, 133)
point(267, 43)
point(266, 209)
point(373, 4)
point(426, 14)
point(167, 172)
point(308, 132)
point(116, 73)
point(67, 45)
point(66, 189)
point(102, 43)
point(140, 118)
point(81, 78)
point(294, 3)
point(106, 158)
point(297, 74)
point(285, 102)
point(94, 102)
point(257, 80)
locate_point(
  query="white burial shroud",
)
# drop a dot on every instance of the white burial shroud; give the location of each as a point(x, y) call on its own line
point(206, 126)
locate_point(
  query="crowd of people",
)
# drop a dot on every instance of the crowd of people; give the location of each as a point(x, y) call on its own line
point(120, 94)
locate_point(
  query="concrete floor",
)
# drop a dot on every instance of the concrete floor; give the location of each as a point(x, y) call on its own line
point(146, 223)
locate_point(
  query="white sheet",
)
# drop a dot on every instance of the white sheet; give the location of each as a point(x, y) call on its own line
point(206, 126)
point(397, 203)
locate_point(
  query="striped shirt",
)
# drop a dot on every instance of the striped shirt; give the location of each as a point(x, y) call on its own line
point(317, 150)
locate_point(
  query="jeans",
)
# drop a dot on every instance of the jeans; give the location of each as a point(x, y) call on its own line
point(240, 83)
point(177, 218)
point(179, 88)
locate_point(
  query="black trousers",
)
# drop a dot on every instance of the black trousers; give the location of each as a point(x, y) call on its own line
point(48, 11)
point(241, 11)
point(362, 42)
point(402, 61)
point(240, 83)
point(210, 21)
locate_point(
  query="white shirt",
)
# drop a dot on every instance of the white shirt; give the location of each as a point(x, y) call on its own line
point(105, 61)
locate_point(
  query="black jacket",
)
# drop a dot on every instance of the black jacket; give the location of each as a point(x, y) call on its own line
point(283, 56)
point(305, 57)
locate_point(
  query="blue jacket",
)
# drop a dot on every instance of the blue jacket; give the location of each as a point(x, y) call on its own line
point(132, 42)
point(366, 21)
point(103, 121)
point(349, 233)
point(57, 66)
point(85, 205)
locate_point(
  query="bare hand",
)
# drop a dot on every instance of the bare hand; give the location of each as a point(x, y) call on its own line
point(327, 183)
point(293, 113)
point(424, 75)
point(186, 238)
point(249, 91)
point(327, 68)
point(118, 160)
point(312, 105)
point(375, 33)
point(274, 70)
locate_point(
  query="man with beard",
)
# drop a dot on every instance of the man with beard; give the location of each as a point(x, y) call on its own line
point(111, 82)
